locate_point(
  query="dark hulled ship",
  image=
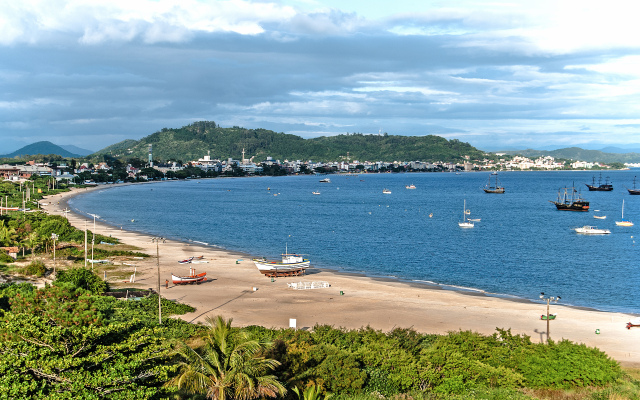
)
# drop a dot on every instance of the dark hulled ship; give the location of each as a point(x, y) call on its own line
point(600, 187)
point(570, 200)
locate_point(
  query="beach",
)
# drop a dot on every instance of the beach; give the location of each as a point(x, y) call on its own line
point(235, 289)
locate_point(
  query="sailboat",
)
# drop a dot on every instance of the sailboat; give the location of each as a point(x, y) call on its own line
point(634, 190)
point(624, 222)
point(496, 188)
point(465, 223)
point(606, 187)
point(570, 201)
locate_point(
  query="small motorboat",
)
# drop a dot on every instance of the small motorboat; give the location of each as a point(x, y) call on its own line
point(412, 186)
point(386, 191)
point(316, 193)
point(592, 230)
point(600, 216)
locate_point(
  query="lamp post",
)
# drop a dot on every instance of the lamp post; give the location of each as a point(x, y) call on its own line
point(54, 237)
point(93, 236)
point(157, 240)
point(548, 299)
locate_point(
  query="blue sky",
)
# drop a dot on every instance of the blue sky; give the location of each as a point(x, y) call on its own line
point(497, 74)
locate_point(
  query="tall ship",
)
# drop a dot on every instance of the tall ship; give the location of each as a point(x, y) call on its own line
point(600, 187)
point(634, 190)
point(570, 200)
point(493, 188)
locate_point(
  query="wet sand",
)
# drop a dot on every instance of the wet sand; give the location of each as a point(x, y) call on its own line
point(235, 289)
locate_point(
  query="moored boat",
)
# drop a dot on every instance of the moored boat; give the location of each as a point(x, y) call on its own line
point(634, 191)
point(570, 200)
point(412, 186)
point(600, 187)
point(493, 188)
point(465, 223)
point(592, 230)
point(624, 222)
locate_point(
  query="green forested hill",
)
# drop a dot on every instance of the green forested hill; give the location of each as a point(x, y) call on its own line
point(193, 141)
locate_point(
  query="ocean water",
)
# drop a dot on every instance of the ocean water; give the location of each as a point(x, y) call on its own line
point(522, 246)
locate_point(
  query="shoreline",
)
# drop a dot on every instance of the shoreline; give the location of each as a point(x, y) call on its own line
point(235, 289)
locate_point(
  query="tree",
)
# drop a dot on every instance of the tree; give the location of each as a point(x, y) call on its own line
point(40, 359)
point(227, 366)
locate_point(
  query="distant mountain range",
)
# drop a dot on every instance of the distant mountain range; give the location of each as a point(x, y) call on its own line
point(45, 148)
point(576, 153)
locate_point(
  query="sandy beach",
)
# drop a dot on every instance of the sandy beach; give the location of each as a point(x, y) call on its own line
point(235, 289)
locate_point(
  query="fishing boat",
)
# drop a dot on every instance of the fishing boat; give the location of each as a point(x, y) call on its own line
point(601, 187)
point(289, 262)
point(493, 188)
point(412, 186)
point(465, 222)
point(634, 190)
point(325, 180)
point(191, 279)
point(570, 200)
point(591, 230)
point(624, 222)
point(386, 191)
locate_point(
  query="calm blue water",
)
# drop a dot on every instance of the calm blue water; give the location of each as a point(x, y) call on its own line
point(522, 245)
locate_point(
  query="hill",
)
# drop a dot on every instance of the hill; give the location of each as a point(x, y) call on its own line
point(44, 148)
point(576, 153)
point(194, 141)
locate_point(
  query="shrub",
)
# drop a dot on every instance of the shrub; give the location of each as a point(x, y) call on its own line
point(83, 278)
point(5, 258)
point(35, 268)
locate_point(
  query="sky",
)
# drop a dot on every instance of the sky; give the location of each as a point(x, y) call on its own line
point(499, 75)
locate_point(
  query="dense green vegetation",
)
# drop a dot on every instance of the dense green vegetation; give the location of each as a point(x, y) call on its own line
point(64, 341)
point(192, 142)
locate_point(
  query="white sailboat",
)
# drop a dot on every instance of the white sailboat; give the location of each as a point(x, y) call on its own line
point(465, 223)
point(624, 222)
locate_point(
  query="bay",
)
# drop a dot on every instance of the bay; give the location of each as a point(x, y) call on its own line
point(521, 246)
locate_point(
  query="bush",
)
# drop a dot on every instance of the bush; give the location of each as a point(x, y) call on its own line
point(84, 279)
point(5, 258)
point(35, 268)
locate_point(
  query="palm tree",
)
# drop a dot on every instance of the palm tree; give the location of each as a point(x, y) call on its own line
point(227, 368)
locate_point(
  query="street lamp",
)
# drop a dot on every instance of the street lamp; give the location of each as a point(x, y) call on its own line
point(93, 236)
point(54, 237)
point(549, 299)
point(157, 240)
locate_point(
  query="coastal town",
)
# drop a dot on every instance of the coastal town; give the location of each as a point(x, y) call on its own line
point(137, 170)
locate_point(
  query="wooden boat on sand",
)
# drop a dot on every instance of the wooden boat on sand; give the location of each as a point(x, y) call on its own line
point(191, 279)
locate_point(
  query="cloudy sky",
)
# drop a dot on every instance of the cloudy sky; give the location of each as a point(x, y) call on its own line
point(498, 74)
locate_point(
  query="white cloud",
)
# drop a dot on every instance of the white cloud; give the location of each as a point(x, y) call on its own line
point(96, 21)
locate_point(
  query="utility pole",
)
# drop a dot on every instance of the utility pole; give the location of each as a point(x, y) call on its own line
point(548, 300)
point(54, 237)
point(85, 244)
point(157, 240)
